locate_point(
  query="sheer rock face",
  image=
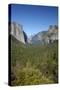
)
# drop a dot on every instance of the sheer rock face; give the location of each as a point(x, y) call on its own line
point(45, 37)
point(16, 30)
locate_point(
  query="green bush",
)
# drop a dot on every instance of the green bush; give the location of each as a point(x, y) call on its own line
point(30, 76)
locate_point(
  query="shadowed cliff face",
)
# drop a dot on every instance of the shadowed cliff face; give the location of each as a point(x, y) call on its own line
point(25, 37)
point(16, 30)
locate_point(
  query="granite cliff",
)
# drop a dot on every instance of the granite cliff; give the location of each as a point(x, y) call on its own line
point(16, 30)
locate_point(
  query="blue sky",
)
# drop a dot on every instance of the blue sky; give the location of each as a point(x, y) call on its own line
point(34, 18)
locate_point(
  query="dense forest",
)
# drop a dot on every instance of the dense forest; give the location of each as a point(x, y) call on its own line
point(33, 64)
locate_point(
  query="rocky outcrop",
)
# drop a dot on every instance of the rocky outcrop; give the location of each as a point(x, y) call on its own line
point(52, 33)
point(46, 37)
point(16, 30)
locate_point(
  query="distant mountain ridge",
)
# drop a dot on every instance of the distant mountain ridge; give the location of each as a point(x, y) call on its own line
point(44, 37)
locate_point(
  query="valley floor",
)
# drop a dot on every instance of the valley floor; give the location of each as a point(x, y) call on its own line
point(33, 64)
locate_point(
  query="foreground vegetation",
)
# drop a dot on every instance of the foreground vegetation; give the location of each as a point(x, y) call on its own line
point(33, 64)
